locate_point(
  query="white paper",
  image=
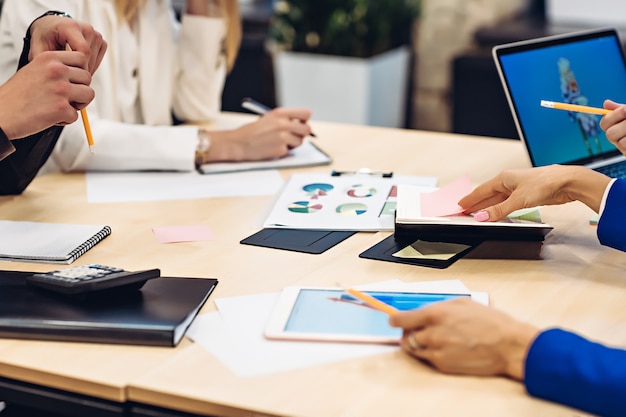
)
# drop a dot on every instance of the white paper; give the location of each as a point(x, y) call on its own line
point(115, 187)
point(358, 202)
point(234, 335)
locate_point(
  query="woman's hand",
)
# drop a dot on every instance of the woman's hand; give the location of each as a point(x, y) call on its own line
point(463, 337)
point(525, 188)
point(272, 136)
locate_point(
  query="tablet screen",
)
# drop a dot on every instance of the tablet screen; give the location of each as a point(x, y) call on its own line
point(322, 311)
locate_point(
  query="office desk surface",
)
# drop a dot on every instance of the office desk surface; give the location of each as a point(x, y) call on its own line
point(578, 285)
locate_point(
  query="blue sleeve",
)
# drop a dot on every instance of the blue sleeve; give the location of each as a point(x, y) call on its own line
point(568, 369)
point(612, 224)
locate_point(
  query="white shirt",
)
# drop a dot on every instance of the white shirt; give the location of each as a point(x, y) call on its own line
point(180, 70)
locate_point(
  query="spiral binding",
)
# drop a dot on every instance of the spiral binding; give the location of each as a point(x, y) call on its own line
point(90, 243)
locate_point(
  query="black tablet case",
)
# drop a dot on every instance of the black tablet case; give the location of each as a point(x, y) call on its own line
point(297, 240)
point(478, 249)
point(156, 315)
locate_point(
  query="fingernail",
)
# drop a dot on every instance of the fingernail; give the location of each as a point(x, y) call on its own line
point(481, 216)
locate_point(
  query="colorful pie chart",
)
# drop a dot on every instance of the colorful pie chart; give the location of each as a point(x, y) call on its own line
point(304, 207)
point(361, 191)
point(317, 190)
point(351, 209)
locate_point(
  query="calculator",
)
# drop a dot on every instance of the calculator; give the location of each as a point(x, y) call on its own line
point(91, 278)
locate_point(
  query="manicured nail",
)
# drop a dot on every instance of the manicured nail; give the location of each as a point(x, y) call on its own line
point(481, 216)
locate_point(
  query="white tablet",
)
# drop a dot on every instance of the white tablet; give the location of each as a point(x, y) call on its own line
point(333, 315)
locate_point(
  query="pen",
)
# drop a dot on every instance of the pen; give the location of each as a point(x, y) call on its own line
point(258, 108)
point(365, 171)
point(83, 116)
point(372, 302)
point(574, 107)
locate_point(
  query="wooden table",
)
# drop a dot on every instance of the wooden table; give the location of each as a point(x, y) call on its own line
point(578, 285)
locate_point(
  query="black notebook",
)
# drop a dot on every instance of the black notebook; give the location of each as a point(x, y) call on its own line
point(57, 243)
point(157, 315)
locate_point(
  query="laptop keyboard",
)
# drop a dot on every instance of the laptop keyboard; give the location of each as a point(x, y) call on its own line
point(617, 170)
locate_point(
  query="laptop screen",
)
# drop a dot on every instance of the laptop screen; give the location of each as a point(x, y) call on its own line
point(584, 68)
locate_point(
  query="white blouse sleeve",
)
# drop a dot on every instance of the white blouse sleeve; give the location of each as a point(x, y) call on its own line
point(202, 71)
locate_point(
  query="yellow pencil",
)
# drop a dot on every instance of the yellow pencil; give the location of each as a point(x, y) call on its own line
point(372, 302)
point(574, 107)
point(83, 115)
point(85, 118)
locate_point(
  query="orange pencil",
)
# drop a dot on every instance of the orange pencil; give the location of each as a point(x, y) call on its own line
point(574, 107)
point(83, 116)
point(372, 302)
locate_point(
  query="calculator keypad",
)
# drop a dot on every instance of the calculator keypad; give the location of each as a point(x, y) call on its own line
point(90, 278)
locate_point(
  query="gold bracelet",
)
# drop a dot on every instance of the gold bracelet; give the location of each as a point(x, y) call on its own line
point(204, 143)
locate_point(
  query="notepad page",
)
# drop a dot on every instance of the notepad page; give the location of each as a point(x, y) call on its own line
point(47, 242)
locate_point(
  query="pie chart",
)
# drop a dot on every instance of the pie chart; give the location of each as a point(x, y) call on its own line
point(351, 209)
point(304, 207)
point(317, 190)
point(361, 191)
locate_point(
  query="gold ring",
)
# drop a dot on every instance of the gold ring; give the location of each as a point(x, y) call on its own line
point(412, 342)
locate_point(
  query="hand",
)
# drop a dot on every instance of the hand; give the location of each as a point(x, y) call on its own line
point(272, 136)
point(614, 125)
point(463, 337)
point(52, 33)
point(525, 188)
point(46, 92)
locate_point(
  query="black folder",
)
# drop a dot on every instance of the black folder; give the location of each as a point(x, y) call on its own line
point(157, 315)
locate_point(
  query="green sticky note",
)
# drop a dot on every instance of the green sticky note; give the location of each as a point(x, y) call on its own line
point(421, 249)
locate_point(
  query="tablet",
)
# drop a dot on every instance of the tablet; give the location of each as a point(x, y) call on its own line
point(332, 315)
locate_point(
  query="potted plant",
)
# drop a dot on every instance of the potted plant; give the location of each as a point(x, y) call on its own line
point(347, 60)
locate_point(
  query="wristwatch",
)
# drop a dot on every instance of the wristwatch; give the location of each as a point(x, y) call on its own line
point(204, 143)
point(6, 146)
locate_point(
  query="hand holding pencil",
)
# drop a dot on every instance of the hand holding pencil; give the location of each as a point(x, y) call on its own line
point(614, 124)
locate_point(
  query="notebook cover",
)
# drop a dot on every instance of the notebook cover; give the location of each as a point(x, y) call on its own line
point(156, 315)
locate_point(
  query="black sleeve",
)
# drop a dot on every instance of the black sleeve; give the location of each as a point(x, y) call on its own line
point(18, 169)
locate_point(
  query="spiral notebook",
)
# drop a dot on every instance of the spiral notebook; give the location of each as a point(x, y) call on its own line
point(57, 243)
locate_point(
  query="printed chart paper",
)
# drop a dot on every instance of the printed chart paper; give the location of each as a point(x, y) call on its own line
point(358, 202)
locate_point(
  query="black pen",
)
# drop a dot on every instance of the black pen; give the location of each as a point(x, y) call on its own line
point(258, 108)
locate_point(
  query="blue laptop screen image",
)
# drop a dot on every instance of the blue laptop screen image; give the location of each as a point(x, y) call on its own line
point(578, 70)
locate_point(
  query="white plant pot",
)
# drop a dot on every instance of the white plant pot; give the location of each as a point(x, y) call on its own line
point(367, 91)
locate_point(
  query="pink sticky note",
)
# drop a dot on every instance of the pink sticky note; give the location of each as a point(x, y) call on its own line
point(189, 233)
point(443, 202)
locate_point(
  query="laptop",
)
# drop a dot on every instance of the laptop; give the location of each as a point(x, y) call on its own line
point(580, 68)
